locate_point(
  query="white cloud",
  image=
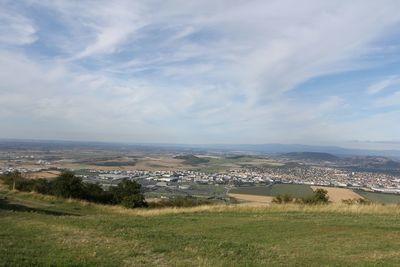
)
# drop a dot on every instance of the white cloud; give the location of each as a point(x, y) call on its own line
point(388, 101)
point(382, 85)
point(16, 29)
point(194, 71)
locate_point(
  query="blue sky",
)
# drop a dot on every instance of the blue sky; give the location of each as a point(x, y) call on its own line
point(311, 72)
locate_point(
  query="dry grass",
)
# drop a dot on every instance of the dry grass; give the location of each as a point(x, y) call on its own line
point(331, 208)
point(252, 198)
point(391, 209)
point(336, 195)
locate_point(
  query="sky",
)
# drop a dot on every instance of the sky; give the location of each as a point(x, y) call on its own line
point(202, 72)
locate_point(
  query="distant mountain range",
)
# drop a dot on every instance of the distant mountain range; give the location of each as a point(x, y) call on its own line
point(366, 162)
point(187, 148)
point(288, 148)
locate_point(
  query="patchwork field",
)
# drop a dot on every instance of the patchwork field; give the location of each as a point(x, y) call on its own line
point(45, 231)
point(336, 195)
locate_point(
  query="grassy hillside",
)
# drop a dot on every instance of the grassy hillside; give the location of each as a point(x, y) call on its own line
point(40, 230)
point(192, 160)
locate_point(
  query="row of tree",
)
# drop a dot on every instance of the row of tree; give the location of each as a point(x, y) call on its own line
point(68, 185)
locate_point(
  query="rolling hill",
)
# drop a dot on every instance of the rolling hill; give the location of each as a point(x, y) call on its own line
point(192, 160)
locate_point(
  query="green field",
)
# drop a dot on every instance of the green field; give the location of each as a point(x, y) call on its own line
point(380, 197)
point(295, 190)
point(44, 231)
point(226, 163)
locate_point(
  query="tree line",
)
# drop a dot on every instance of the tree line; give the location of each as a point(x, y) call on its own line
point(320, 196)
point(68, 185)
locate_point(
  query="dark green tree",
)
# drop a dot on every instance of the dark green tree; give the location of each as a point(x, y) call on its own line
point(129, 194)
point(320, 196)
point(95, 193)
point(44, 186)
point(68, 185)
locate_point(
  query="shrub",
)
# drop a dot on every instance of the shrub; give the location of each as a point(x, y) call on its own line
point(15, 180)
point(68, 185)
point(320, 196)
point(282, 199)
point(44, 186)
point(95, 193)
point(356, 201)
point(134, 201)
point(25, 185)
point(125, 189)
point(11, 179)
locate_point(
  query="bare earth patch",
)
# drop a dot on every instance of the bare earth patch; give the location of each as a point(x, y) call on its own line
point(336, 195)
point(43, 174)
point(252, 198)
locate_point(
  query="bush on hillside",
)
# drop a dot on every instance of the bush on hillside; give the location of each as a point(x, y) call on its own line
point(356, 201)
point(11, 179)
point(320, 196)
point(67, 185)
point(95, 193)
point(128, 193)
point(282, 199)
point(44, 186)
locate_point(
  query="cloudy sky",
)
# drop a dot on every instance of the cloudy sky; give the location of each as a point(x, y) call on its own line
point(311, 72)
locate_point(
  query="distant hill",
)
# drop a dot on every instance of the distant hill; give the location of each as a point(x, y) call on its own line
point(192, 159)
point(374, 162)
point(240, 149)
point(315, 156)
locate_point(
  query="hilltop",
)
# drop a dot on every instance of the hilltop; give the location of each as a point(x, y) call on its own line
point(192, 159)
point(42, 230)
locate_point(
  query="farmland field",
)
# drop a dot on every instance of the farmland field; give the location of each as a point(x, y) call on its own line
point(252, 198)
point(380, 197)
point(45, 231)
point(338, 194)
point(295, 190)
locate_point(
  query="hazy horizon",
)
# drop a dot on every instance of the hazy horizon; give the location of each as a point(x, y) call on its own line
point(351, 146)
point(201, 72)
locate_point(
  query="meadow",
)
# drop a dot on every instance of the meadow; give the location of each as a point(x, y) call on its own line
point(42, 230)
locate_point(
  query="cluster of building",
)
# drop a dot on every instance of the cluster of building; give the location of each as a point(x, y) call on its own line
point(312, 175)
point(328, 176)
point(324, 176)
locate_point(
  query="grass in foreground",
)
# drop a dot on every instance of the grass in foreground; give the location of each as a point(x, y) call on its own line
point(42, 230)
